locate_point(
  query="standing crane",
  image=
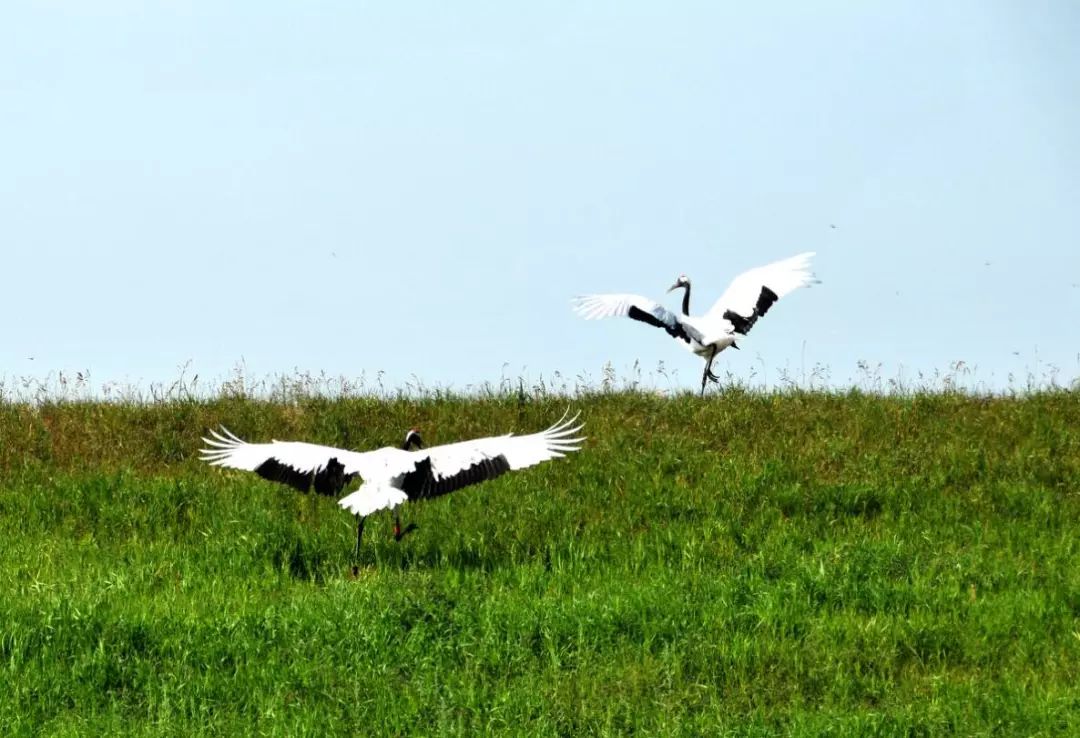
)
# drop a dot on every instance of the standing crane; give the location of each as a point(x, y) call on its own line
point(391, 475)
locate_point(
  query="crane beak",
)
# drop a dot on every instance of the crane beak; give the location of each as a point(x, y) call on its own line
point(674, 287)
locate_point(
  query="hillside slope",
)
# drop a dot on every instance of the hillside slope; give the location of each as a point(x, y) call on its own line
point(747, 564)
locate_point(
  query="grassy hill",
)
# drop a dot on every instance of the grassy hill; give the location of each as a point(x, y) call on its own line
point(784, 564)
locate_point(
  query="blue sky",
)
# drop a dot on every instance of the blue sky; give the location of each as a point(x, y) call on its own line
point(419, 188)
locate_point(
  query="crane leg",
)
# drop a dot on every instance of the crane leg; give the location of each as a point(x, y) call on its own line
point(400, 533)
point(359, 533)
point(708, 375)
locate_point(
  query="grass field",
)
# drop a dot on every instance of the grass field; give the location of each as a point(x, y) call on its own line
point(750, 564)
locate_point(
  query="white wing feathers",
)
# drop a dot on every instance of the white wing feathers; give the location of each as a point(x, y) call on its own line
point(782, 277)
point(519, 451)
point(226, 449)
point(594, 307)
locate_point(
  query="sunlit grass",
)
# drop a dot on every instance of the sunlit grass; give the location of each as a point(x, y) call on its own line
point(751, 564)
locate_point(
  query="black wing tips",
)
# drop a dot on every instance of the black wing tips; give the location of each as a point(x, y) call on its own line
point(421, 483)
point(766, 299)
point(672, 325)
point(331, 480)
point(328, 481)
point(274, 471)
point(646, 317)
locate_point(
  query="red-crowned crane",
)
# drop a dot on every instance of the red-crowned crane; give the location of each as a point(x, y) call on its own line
point(744, 302)
point(391, 475)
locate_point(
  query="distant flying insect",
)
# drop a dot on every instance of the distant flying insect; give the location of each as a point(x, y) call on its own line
point(747, 298)
point(391, 475)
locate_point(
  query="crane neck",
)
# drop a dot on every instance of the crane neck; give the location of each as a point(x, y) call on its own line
point(686, 300)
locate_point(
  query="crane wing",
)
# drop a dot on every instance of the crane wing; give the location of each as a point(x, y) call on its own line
point(301, 465)
point(392, 475)
point(594, 307)
point(752, 293)
point(443, 469)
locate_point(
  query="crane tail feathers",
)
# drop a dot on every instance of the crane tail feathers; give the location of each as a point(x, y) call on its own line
point(371, 498)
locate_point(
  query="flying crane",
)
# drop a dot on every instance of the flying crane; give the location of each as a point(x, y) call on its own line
point(746, 300)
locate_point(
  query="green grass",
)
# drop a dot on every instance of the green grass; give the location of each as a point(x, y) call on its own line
point(783, 564)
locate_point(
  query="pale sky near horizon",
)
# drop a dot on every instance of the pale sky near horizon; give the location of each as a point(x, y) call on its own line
point(419, 188)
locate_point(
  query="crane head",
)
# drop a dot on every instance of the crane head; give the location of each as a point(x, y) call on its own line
point(682, 282)
point(412, 438)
